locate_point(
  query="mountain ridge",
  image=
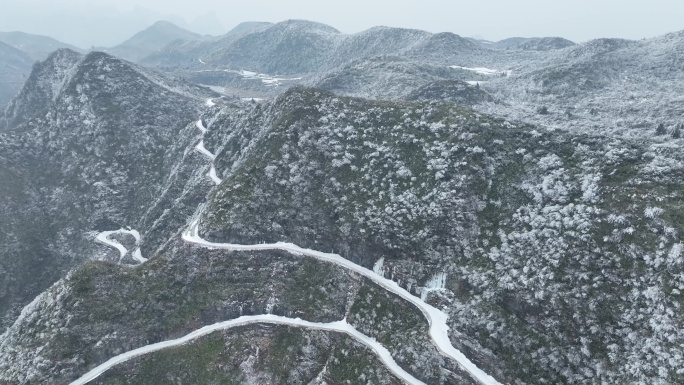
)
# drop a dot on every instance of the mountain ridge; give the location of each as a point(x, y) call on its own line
point(38, 46)
point(151, 39)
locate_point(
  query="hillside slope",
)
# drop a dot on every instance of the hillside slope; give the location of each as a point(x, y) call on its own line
point(555, 254)
point(92, 141)
point(619, 86)
point(528, 227)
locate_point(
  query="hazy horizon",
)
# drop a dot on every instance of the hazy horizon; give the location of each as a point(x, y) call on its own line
point(109, 23)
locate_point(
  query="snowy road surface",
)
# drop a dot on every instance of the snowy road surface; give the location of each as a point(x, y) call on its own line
point(202, 150)
point(103, 238)
point(212, 175)
point(436, 318)
point(338, 326)
point(200, 125)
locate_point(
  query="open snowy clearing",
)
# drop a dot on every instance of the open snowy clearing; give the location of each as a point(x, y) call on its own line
point(338, 326)
point(484, 71)
point(436, 318)
point(266, 79)
point(103, 238)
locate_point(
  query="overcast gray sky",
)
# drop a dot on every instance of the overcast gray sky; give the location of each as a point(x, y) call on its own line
point(108, 22)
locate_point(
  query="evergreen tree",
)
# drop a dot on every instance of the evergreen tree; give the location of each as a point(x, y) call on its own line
point(660, 130)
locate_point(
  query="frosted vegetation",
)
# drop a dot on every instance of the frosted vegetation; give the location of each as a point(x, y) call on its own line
point(540, 233)
point(530, 189)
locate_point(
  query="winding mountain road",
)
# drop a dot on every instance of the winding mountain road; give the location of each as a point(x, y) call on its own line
point(338, 326)
point(103, 238)
point(202, 150)
point(437, 319)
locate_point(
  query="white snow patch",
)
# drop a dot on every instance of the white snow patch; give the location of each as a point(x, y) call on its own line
point(210, 102)
point(437, 282)
point(379, 268)
point(219, 89)
point(201, 61)
point(269, 80)
point(484, 71)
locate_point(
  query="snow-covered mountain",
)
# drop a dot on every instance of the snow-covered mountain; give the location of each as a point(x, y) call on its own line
point(151, 40)
point(434, 211)
point(529, 44)
point(304, 47)
point(623, 86)
point(189, 53)
point(37, 46)
point(42, 87)
point(92, 137)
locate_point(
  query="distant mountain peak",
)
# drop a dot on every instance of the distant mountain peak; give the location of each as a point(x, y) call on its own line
point(37, 46)
point(249, 26)
point(42, 86)
point(599, 47)
point(74, 82)
point(152, 39)
point(164, 24)
point(305, 25)
point(545, 44)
